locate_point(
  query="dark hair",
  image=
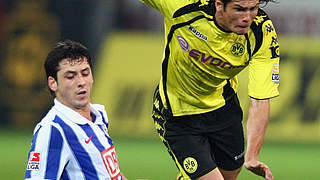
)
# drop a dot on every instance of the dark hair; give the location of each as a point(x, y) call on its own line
point(225, 2)
point(66, 49)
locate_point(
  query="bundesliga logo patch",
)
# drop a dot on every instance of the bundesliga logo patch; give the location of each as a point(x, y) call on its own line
point(34, 161)
point(275, 73)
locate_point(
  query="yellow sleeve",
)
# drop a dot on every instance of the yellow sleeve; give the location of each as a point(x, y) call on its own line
point(167, 7)
point(264, 65)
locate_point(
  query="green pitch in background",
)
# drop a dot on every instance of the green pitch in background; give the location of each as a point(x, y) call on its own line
point(145, 158)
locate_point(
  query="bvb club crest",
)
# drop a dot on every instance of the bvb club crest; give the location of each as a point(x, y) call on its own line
point(237, 49)
point(190, 165)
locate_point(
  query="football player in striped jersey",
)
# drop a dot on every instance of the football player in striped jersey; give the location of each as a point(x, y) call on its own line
point(72, 140)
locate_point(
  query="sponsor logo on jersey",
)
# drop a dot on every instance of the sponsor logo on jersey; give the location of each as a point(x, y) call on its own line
point(211, 60)
point(87, 141)
point(190, 165)
point(34, 161)
point(110, 160)
point(183, 43)
point(275, 76)
point(197, 33)
point(237, 49)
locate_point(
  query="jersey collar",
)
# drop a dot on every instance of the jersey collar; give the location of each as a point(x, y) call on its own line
point(75, 117)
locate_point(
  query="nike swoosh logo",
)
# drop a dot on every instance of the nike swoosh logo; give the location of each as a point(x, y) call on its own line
point(87, 141)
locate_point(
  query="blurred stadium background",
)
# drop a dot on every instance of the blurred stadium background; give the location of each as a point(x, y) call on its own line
point(126, 40)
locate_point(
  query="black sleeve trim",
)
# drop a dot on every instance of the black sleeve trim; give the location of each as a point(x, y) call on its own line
point(248, 46)
point(228, 91)
point(165, 61)
point(257, 30)
point(264, 98)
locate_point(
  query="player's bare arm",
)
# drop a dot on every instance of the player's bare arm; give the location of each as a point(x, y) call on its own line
point(258, 118)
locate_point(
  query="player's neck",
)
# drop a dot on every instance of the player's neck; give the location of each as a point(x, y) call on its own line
point(85, 112)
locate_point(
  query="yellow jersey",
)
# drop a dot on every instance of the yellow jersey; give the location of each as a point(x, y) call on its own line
point(201, 60)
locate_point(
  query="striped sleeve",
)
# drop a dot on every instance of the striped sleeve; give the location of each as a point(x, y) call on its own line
point(44, 158)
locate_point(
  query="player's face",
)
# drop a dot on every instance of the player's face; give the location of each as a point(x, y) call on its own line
point(238, 15)
point(74, 83)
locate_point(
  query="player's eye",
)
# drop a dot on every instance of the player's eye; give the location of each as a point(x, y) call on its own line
point(69, 76)
point(240, 9)
point(253, 8)
point(86, 73)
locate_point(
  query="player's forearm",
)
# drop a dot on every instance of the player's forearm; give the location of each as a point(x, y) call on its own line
point(258, 118)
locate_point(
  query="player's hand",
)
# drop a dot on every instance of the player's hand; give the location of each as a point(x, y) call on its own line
point(123, 177)
point(260, 169)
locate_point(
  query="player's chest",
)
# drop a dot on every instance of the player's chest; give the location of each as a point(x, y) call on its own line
point(208, 47)
point(94, 149)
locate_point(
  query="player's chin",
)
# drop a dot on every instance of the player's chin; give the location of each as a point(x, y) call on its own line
point(241, 30)
point(81, 103)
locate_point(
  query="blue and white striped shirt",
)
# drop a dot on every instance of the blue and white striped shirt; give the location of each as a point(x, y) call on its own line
point(67, 146)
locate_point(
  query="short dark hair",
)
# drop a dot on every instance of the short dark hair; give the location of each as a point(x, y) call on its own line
point(225, 2)
point(66, 49)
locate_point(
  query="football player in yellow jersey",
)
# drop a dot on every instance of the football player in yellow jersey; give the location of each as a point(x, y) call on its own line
point(196, 110)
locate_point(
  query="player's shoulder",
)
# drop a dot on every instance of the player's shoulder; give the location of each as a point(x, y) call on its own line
point(258, 22)
point(47, 121)
point(262, 29)
point(99, 107)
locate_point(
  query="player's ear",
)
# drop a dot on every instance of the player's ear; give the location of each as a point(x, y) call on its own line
point(219, 5)
point(52, 83)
